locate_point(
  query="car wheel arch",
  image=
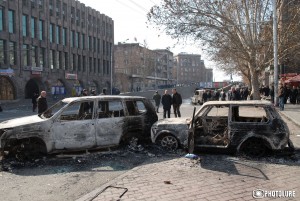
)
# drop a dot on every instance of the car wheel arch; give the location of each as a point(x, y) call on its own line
point(269, 145)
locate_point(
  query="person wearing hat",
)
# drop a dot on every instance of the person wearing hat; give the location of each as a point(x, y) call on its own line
point(156, 98)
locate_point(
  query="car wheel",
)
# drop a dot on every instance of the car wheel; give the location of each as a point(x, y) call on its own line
point(253, 147)
point(169, 142)
point(28, 149)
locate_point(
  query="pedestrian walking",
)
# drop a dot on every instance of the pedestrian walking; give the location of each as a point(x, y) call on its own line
point(223, 95)
point(272, 94)
point(293, 95)
point(281, 95)
point(177, 101)
point(103, 92)
point(34, 101)
point(42, 104)
point(157, 98)
point(166, 101)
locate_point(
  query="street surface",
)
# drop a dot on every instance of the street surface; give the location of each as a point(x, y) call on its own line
point(149, 174)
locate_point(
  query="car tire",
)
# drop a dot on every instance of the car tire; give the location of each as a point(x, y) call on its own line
point(168, 142)
point(254, 147)
point(28, 149)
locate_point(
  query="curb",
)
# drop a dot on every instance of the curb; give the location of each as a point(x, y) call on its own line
point(291, 119)
point(94, 194)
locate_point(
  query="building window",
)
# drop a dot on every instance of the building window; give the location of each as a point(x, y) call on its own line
point(58, 8)
point(95, 65)
point(11, 21)
point(32, 27)
point(64, 12)
point(66, 61)
point(79, 63)
point(83, 64)
point(99, 47)
point(74, 62)
point(90, 43)
point(24, 25)
point(99, 66)
point(33, 56)
point(72, 39)
point(51, 7)
point(83, 41)
point(90, 64)
point(41, 4)
point(1, 19)
point(12, 53)
point(2, 53)
point(25, 51)
point(42, 57)
point(77, 39)
point(41, 29)
point(64, 37)
point(58, 35)
point(72, 15)
point(60, 60)
point(51, 59)
point(95, 44)
point(25, 3)
point(78, 17)
point(51, 33)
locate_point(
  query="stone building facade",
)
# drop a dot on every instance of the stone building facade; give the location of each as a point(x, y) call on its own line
point(139, 68)
point(60, 46)
point(190, 69)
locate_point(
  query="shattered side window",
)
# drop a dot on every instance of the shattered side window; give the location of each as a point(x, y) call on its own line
point(132, 111)
point(116, 109)
point(249, 114)
point(77, 111)
point(218, 111)
point(141, 107)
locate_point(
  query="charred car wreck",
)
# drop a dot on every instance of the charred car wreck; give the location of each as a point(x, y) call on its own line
point(79, 123)
point(250, 127)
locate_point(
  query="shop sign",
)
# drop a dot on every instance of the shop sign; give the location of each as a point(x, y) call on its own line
point(7, 71)
point(70, 76)
point(36, 72)
point(28, 68)
point(37, 68)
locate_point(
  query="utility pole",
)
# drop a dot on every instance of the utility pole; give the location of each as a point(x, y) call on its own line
point(275, 41)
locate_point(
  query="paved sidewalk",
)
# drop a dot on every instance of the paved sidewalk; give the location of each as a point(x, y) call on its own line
point(214, 178)
point(292, 112)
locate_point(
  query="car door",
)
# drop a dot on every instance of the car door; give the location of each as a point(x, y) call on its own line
point(247, 121)
point(74, 128)
point(109, 122)
point(215, 127)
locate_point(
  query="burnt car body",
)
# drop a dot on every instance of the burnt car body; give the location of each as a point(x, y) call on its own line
point(252, 127)
point(80, 123)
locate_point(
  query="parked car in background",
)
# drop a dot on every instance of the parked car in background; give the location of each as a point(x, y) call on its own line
point(79, 123)
point(198, 97)
point(250, 127)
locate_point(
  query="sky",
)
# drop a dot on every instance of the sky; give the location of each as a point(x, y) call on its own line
point(131, 26)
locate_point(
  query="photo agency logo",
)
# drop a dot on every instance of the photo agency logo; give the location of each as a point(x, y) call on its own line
point(259, 193)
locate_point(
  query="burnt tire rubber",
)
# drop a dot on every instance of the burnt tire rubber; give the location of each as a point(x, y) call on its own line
point(168, 142)
point(28, 150)
point(253, 148)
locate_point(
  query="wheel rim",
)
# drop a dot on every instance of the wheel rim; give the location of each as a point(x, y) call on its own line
point(169, 142)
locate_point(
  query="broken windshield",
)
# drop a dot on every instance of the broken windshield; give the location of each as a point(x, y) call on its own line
point(54, 109)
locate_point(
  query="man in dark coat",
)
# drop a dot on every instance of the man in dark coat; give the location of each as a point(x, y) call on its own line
point(166, 101)
point(177, 101)
point(42, 102)
point(34, 101)
point(157, 98)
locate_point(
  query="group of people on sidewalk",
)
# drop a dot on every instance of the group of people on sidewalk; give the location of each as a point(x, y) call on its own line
point(168, 101)
point(285, 93)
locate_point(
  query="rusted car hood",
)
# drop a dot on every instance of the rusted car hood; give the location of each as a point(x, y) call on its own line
point(21, 121)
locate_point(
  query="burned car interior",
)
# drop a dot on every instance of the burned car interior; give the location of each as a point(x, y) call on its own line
point(211, 128)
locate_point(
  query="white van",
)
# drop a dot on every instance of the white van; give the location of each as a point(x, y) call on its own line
point(197, 98)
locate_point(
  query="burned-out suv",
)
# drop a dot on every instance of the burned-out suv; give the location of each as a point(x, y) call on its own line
point(80, 123)
point(251, 127)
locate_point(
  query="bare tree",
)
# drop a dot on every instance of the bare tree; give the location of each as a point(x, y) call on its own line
point(233, 30)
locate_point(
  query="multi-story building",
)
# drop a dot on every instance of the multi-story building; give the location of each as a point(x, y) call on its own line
point(139, 68)
point(190, 69)
point(60, 46)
